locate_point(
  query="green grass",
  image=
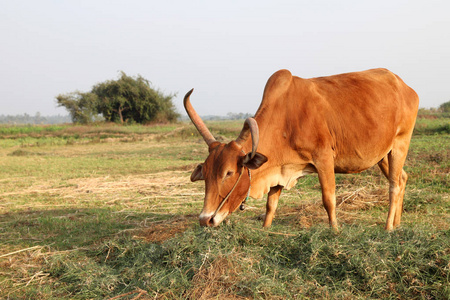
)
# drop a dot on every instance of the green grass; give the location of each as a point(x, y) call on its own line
point(432, 126)
point(30, 129)
point(109, 211)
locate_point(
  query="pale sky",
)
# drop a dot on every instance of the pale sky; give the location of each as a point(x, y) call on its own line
point(226, 50)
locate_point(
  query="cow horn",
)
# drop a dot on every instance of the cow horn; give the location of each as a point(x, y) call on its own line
point(250, 126)
point(198, 122)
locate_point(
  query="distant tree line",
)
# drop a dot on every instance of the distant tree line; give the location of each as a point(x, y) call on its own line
point(443, 111)
point(238, 116)
point(125, 100)
point(37, 119)
point(229, 116)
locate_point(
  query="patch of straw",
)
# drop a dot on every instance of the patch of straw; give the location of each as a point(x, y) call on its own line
point(159, 231)
point(217, 278)
point(21, 250)
point(362, 199)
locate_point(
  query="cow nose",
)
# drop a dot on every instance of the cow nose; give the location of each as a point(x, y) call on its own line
point(206, 221)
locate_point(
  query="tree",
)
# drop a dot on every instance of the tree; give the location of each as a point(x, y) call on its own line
point(445, 107)
point(127, 99)
point(82, 107)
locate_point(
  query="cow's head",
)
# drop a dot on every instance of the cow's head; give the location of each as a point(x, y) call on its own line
point(226, 170)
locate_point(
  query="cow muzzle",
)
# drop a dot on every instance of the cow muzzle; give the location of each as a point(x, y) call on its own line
point(211, 220)
point(206, 221)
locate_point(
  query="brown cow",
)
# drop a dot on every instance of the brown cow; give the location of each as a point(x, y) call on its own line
point(337, 124)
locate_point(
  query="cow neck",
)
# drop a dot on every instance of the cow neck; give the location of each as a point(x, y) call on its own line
point(242, 206)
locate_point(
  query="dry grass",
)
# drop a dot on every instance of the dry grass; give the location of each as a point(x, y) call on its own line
point(352, 203)
point(159, 190)
point(363, 198)
point(217, 278)
point(25, 267)
point(160, 231)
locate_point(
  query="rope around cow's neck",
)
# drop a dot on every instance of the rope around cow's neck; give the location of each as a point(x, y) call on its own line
point(242, 206)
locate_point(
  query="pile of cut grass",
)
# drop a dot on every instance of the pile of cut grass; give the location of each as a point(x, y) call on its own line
point(240, 261)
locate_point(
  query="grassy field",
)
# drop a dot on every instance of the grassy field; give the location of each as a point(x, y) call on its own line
point(108, 212)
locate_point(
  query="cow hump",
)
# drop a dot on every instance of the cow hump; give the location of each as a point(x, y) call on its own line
point(278, 83)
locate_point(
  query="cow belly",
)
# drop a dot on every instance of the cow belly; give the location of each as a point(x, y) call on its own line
point(357, 162)
point(358, 151)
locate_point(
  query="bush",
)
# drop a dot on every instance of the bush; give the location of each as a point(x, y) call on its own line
point(125, 100)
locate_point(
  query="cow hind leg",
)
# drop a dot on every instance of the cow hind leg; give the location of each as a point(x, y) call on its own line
point(384, 166)
point(393, 169)
point(272, 203)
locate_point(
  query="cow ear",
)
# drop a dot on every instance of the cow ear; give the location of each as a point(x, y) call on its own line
point(254, 163)
point(197, 174)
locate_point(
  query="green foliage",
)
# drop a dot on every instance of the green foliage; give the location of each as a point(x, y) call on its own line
point(125, 100)
point(82, 107)
point(445, 107)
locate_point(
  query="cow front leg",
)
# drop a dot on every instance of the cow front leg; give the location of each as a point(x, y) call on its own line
point(325, 170)
point(272, 203)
